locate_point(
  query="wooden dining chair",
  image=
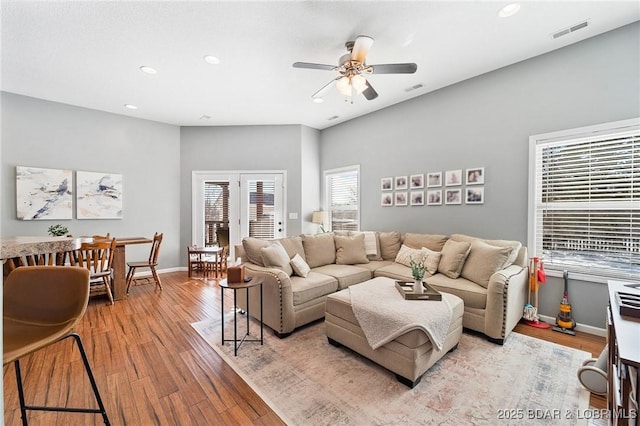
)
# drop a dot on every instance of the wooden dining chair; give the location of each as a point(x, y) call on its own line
point(195, 261)
point(217, 264)
point(97, 257)
point(152, 263)
point(41, 306)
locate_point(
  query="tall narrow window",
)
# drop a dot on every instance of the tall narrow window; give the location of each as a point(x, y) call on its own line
point(216, 213)
point(587, 200)
point(342, 189)
point(261, 208)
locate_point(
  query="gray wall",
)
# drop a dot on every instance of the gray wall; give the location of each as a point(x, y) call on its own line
point(486, 122)
point(232, 148)
point(310, 160)
point(39, 133)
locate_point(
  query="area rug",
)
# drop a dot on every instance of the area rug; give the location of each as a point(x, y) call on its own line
point(307, 381)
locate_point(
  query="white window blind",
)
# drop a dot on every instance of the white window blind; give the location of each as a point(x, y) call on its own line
point(343, 198)
point(216, 211)
point(261, 208)
point(587, 203)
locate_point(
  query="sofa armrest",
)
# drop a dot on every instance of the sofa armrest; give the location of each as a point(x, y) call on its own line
point(277, 298)
point(506, 295)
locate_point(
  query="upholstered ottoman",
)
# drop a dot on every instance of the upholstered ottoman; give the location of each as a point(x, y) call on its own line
point(409, 355)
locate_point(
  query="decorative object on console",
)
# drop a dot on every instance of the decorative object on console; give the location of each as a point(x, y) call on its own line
point(475, 195)
point(475, 176)
point(401, 198)
point(434, 179)
point(417, 181)
point(417, 198)
point(43, 194)
point(98, 195)
point(386, 184)
point(319, 218)
point(401, 182)
point(453, 196)
point(453, 177)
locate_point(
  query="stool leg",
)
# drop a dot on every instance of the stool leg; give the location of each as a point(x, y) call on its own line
point(23, 410)
point(94, 386)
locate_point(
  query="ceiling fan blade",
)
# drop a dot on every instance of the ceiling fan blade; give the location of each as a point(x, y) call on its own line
point(409, 68)
point(320, 93)
point(369, 93)
point(312, 66)
point(361, 48)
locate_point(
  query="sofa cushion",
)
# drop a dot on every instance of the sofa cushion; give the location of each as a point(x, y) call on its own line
point(299, 266)
point(345, 274)
point(371, 244)
point(315, 285)
point(293, 246)
point(431, 260)
point(373, 265)
point(474, 296)
point(515, 245)
point(389, 244)
point(350, 250)
point(275, 256)
point(397, 271)
point(431, 241)
point(319, 249)
point(452, 258)
point(407, 254)
point(483, 261)
point(252, 248)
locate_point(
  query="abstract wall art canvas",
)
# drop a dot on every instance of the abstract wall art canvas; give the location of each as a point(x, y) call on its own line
point(98, 195)
point(44, 194)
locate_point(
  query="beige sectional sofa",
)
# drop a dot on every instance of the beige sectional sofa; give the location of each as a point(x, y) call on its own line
point(490, 276)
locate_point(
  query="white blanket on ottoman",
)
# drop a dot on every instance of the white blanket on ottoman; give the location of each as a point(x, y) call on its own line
point(383, 313)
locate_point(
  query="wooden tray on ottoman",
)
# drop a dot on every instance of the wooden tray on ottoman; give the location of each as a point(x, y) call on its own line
point(406, 290)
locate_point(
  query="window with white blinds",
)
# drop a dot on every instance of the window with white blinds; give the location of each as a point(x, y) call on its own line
point(216, 212)
point(342, 189)
point(261, 208)
point(587, 201)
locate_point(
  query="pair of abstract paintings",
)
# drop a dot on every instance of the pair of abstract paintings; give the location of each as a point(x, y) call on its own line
point(47, 194)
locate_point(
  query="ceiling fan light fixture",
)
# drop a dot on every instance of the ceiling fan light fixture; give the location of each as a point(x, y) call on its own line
point(359, 83)
point(344, 86)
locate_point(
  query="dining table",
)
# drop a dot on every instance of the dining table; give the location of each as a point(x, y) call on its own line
point(206, 256)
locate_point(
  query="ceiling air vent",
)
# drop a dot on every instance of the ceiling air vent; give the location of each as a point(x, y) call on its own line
point(333, 118)
point(409, 89)
point(571, 29)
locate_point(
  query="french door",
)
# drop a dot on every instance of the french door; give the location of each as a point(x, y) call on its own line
point(229, 206)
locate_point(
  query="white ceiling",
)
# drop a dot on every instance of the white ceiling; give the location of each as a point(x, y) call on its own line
point(89, 53)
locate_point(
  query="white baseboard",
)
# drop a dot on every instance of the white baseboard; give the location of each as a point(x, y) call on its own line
point(147, 272)
point(579, 327)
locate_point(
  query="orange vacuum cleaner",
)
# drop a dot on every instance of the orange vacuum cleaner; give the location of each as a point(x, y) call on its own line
point(564, 323)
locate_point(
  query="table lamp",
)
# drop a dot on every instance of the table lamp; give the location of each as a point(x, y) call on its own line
point(319, 218)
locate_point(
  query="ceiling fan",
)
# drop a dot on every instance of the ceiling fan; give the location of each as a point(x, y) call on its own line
point(352, 68)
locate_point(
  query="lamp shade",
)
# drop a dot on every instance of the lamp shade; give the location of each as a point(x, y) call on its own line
point(319, 217)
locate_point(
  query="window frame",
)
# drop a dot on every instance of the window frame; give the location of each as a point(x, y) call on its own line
point(571, 136)
point(330, 172)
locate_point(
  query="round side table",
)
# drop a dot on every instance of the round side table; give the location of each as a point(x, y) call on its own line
point(224, 285)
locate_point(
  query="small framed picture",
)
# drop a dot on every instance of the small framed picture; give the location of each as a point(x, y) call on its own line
point(453, 196)
point(401, 198)
point(386, 199)
point(401, 182)
point(417, 181)
point(475, 195)
point(475, 176)
point(434, 179)
point(417, 198)
point(453, 177)
point(434, 197)
point(386, 184)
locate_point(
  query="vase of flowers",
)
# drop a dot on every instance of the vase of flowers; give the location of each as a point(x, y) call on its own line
point(417, 271)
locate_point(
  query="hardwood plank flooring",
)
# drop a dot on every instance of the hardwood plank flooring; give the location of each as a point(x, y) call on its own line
point(152, 368)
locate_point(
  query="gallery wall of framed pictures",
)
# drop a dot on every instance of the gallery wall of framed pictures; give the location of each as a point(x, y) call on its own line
point(46, 194)
point(451, 187)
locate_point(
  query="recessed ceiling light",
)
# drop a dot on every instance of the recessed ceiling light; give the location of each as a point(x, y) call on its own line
point(130, 106)
point(318, 100)
point(210, 59)
point(148, 70)
point(509, 10)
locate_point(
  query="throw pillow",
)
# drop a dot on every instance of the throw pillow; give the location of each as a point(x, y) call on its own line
point(432, 260)
point(406, 254)
point(275, 256)
point(350, 250)
point(371, 244)
point(252, 248)
point(483, 261)
point(515, 245)
point(389, 244)
point(452, 258)
point(299, 266)
point(319, 249)
point(293, 246)
point(431, 241)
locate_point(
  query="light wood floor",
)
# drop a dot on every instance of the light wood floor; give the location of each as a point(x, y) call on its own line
point(153, 368)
